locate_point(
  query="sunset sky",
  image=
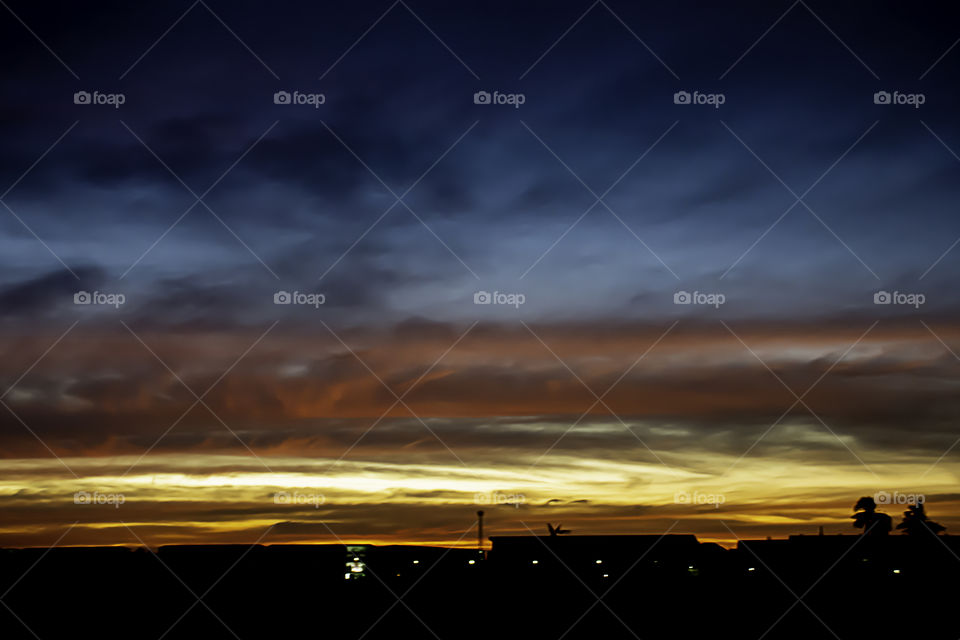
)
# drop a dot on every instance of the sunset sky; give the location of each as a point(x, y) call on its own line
point(399, 406)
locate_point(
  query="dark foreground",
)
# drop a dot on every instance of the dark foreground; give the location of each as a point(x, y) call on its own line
point(643, 587)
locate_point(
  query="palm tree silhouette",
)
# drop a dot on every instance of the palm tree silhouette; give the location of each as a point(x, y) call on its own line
point(866, 517)
point(915, 522)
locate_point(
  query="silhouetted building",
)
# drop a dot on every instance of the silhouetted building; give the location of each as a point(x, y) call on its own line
point(597, 556)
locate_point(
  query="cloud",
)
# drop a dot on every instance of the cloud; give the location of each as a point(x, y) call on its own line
point(45, 294)
point(296, 203)
point(498, 386)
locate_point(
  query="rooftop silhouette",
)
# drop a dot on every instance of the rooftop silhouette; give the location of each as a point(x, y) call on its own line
point(653, 586)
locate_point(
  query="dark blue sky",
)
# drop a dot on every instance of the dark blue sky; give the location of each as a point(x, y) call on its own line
point(743, 241)
point(491, 208)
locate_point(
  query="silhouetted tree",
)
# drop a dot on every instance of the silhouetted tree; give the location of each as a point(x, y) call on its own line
point(915, 522)
point(866, 517)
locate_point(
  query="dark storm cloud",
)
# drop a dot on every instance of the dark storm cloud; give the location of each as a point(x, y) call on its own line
point(498, 391)
point(46, 293)
point(585, 94)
